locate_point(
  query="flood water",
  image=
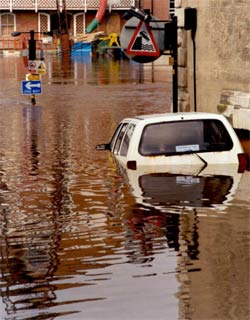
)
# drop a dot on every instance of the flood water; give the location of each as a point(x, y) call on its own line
point(81, 240)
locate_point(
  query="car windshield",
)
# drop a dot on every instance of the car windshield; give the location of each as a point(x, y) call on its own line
point(172, 138)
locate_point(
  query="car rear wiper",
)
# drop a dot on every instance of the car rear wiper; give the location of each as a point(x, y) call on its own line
point(204, 161)
point(195, 153)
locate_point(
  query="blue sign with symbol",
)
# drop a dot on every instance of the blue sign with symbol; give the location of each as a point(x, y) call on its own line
point(31, 87)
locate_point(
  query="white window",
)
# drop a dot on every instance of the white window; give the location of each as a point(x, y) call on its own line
point(43, 22)
point(79, 23)
point(7, 23)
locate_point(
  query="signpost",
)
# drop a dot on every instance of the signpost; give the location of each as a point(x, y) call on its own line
point(36, 67)
point(31, 87)
point(143, 41)
point(151, 39)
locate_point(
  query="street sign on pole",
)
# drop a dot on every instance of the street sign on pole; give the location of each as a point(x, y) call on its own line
point(37, 67)
point(31, 87)
point(143, 41)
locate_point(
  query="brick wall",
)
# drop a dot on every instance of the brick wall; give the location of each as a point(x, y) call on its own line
point(26, 21)
point(159, 8)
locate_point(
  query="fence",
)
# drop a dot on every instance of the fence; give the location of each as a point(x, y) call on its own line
point(10, 43)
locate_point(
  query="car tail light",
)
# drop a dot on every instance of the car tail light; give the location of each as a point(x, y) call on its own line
point(242, 162)
point(131, 165)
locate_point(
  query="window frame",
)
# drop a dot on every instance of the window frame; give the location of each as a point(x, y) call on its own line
point(75, 16)
point(124, 146)
point(119, 138)
point(13, 25)
point(39, 21)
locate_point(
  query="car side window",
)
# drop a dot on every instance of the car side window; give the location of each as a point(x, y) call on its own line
point(113, 139)
point(118, 140)
point(126, 140)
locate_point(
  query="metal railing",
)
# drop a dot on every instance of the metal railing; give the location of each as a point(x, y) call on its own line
point(10, 44)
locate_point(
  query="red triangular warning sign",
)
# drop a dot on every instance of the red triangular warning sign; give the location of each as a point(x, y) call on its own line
point(143, 43)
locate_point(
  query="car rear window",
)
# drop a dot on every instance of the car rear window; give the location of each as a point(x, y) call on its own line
point(172, 138)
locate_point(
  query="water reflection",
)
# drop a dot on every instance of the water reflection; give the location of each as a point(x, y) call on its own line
point(172, 190)
point(80, 241)
point(103, 71)
point(32, 124)
point(144, 226)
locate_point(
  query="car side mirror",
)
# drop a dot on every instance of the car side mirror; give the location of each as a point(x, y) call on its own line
point(104, 146)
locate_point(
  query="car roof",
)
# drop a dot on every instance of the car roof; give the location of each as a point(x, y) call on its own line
point(157, 117)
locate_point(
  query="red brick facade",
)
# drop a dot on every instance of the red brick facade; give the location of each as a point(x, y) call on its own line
point(158, 8)
point(26, 20)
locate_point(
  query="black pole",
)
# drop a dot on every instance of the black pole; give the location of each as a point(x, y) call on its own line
point(32, 56)
point(194, 70)
point(175, 64)
point(193, 33)
point(32, 46)
point(191, 24)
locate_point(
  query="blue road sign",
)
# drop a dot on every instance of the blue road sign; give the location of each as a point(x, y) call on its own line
point(31, 87)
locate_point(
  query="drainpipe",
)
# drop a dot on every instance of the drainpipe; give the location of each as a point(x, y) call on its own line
point(98, 18)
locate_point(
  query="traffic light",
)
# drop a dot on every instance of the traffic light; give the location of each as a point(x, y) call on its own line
point(190, 15)
point(170, 40)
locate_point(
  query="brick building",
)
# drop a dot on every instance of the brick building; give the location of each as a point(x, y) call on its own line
point(73, 15)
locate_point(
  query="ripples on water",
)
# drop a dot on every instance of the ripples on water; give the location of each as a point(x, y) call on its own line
point(78, 241)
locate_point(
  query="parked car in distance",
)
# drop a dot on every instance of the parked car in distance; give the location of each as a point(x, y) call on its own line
point(162, 140)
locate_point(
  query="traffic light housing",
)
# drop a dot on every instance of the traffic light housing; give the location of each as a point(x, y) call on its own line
point(170, 35)
point(190, 15)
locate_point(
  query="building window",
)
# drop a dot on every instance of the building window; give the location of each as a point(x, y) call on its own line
point(43, 22)
point(7, 24)
point(79, 23)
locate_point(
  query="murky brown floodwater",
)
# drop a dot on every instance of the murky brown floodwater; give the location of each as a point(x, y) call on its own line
point(77, 240)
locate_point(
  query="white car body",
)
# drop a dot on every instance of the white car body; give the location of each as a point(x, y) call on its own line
point(189, 139)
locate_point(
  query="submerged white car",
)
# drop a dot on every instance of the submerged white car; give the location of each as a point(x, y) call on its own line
point(161, 140)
